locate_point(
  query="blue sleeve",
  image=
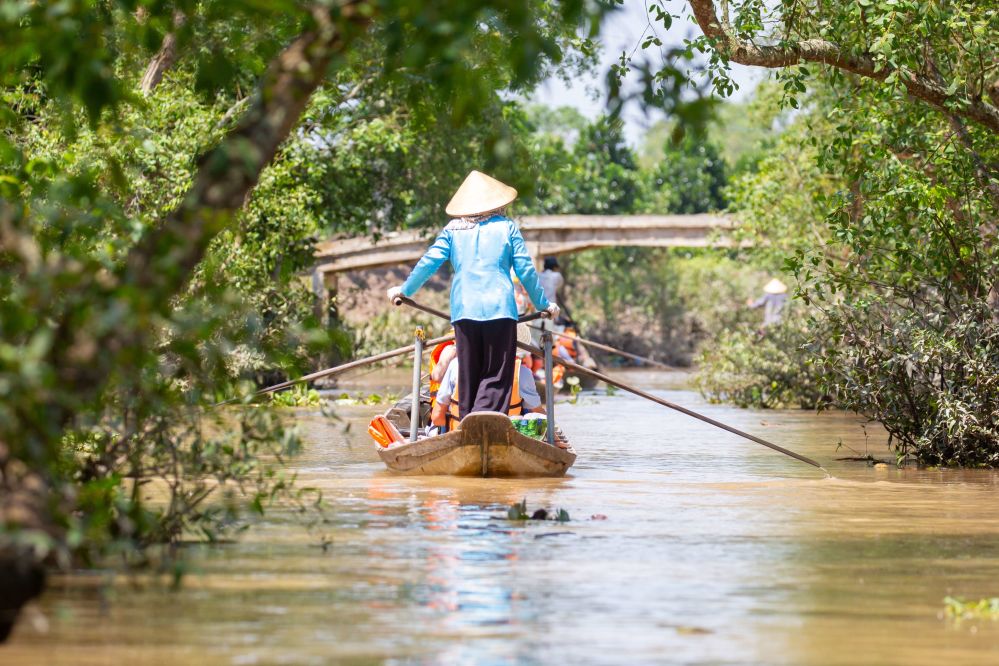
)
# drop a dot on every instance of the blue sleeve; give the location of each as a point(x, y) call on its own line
point(428, 264)
point(524, 268)
point(528, 389)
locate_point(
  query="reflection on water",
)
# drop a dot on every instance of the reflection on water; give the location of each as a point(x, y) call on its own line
point(714, 550)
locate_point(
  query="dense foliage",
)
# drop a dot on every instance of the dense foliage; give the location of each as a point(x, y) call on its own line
point(913, 299)
point(769, 368)
point(890, 218)
point(147, 236)
point(660, 303)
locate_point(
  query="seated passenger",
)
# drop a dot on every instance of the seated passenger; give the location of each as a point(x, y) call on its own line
point(440, 359)
point(524, 396)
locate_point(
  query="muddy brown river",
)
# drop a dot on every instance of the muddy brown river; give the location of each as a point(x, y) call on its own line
point(714, 550)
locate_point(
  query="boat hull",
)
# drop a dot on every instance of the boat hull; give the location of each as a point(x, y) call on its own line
point(486, 445)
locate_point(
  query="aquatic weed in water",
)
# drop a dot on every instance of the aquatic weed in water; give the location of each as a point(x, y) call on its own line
point(982, 609)
point(519, 511)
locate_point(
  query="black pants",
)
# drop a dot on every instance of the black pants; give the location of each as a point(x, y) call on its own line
point(487, 352)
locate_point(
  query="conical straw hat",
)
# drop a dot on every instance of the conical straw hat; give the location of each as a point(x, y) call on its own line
point(524, 334)
point(479, 194)
point(775, 286)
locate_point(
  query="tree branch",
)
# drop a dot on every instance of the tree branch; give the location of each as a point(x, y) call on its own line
point(163, 60)
point(165, 257)
point(827, 53)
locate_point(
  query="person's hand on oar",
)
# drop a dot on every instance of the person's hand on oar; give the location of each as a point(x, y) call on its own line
point(553, 311)
point(394, 293)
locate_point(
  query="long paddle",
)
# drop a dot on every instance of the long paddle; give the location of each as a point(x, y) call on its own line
point(404, 300)
point(579, 329)
point(612, 350)
point(345, 367)
point(575, 367)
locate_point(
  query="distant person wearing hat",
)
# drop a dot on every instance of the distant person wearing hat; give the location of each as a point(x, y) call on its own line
point(772, 301)
point(483, 245)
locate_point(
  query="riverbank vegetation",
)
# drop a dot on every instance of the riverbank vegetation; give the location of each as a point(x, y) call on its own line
point(882, 198)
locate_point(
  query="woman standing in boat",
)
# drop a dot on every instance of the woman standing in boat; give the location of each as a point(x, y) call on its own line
point(483, 245)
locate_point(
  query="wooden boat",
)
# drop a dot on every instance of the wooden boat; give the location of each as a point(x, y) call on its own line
point(486, 445)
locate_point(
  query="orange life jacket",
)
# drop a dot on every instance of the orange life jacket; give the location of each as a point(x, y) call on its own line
point(516, 402)
point(435, 357)
point(565, 343)
point(558, 373)
point(384, 432)
point(528, 361)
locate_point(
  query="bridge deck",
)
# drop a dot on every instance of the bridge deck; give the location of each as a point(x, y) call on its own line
point(545, 234)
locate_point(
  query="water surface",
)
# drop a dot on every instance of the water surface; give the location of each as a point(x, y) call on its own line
point(714, 550)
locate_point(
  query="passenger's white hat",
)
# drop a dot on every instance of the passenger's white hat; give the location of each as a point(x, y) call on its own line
point(524, 335)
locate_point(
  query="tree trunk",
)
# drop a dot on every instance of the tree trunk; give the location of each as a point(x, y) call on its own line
point(163, 60)
point(23, 506)
point(160, 63)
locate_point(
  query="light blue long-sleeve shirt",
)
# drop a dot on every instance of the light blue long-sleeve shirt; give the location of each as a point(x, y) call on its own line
point(481, 255)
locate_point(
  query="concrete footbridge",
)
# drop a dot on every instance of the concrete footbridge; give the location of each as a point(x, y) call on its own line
point(545, 235)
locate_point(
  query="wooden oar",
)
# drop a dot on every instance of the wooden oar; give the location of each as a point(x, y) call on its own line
point(612, 350)
point(428, 345)
point(403, 300)
point(568, 313)
point(575, 367)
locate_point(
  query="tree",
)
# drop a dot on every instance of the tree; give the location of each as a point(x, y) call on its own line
point(99, 354)
point(689, 178)
point(898, 159)
point(598, 173)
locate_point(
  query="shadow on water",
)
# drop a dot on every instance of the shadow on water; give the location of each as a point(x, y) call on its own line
point(714, 550)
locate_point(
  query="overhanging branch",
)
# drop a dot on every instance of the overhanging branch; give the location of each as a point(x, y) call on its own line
point(166, 256)
point(164, 58)
point(828, 53)
point(161, 264)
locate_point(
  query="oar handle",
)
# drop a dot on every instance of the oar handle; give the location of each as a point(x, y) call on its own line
point(405, 300)
point(540, 314)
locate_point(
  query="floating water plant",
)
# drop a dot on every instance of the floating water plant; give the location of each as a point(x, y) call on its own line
point(982, 609)
point(574, 388)
point(366, 399)
point(298, 396)
point(518, 511)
